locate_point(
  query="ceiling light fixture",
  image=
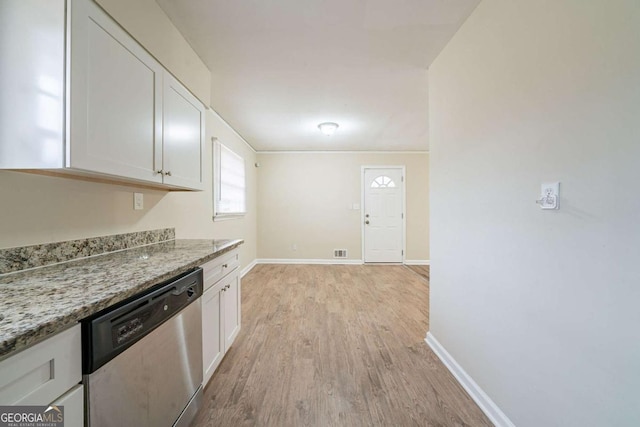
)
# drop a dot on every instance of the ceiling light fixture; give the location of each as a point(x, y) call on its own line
point(328, 128)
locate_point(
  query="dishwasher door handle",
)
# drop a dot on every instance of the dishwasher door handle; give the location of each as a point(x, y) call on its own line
point(182, 289)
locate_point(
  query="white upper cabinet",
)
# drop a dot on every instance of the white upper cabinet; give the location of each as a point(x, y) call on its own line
point(118, 112)
point(116, 117)
point(182, 135)
point(32, 75)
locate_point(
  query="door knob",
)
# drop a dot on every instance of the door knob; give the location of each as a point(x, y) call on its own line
point(366, 216)
point(367, 222)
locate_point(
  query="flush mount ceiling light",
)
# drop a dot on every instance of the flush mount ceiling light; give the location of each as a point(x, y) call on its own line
point(328, 128)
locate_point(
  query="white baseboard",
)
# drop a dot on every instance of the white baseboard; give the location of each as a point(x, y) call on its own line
point(248, 268)
point(308, 261)
point(490, 409)
point(417, 262)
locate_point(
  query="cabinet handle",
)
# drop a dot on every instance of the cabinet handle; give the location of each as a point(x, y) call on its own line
point(168, 173)
point(225, 265)
point(161, 172)
point(227, 287)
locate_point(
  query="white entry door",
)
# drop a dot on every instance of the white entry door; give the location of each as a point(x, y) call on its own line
point(383, 214)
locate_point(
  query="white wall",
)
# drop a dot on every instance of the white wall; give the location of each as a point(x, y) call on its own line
point(304, 199)
point(540, 307)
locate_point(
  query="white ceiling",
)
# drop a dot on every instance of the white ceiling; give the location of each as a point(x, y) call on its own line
point(279, 68)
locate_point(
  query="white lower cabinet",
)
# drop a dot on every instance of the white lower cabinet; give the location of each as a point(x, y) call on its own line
point(220, 311)
point(212, 342)
point(231, 308)
point(47, 373)
point(73, 404)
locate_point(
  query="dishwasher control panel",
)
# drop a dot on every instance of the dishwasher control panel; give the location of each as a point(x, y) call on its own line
point(128, 330)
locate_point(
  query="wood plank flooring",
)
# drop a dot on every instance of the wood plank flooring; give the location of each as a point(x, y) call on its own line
point(423, 270)
point(334, 346)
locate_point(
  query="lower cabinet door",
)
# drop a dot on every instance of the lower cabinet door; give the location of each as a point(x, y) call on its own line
point(73, 403)
point(232, 315)
point(212, 342)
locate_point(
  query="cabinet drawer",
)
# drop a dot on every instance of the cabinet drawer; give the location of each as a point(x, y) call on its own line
point(219, 267)
point(39, 374)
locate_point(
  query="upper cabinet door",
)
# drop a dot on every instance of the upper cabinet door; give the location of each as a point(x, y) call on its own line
point(116, 113)
point(32, 80)
point(183, 136)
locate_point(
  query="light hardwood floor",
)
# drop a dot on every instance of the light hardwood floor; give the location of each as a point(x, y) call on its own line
point(334, 346)
point(423, 270)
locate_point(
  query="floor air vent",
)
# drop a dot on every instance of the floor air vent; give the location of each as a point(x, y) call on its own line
point(339, 253)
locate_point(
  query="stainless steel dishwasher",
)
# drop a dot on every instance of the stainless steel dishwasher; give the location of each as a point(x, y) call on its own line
point(142, 359)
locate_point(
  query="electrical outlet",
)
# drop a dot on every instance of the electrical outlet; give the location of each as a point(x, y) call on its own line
point(138, 201)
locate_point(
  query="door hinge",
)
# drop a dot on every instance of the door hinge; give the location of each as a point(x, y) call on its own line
point(403, 252)
point(402, 178)
point(402, 215)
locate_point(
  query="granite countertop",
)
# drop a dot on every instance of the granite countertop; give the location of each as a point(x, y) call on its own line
point(40, 302)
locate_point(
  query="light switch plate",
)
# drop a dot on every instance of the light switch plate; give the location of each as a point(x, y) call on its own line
point(550, 195)
point(138, 201)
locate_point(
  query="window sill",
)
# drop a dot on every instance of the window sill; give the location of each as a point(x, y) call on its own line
point(227, 217)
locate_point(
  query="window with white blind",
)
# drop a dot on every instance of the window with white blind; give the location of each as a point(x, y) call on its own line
point(229, 186)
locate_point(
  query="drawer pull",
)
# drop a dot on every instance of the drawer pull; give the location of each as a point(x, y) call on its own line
point(225, 265)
